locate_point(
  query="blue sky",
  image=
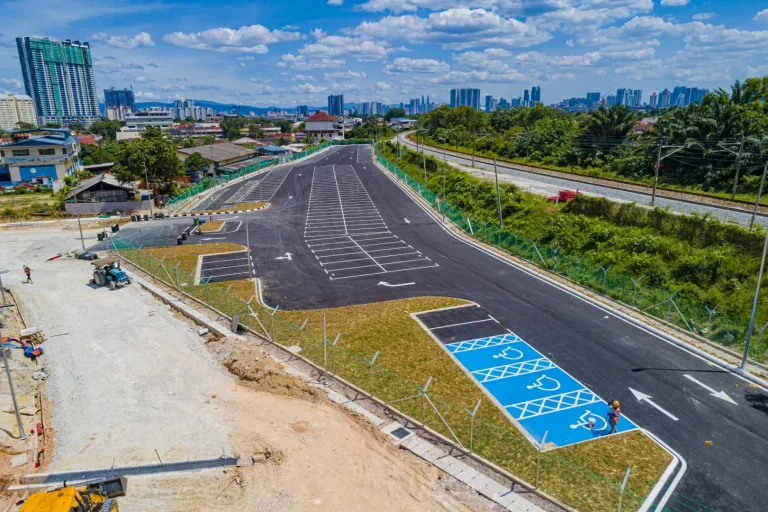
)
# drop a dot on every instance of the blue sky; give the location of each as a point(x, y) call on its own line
point(295, 52)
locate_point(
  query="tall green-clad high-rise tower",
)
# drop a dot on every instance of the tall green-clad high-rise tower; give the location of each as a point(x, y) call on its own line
point(58, 75)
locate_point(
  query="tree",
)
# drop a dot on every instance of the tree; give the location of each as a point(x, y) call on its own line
point(52, 125)
point(284, 125)
point(78, 128)
point(231, 127)
point(196, 163)
point(189, 142)
point(159, 156)
point(106, 128)
point(605, 124)
point(22, 125)
point(394, 113)
point(255, 131)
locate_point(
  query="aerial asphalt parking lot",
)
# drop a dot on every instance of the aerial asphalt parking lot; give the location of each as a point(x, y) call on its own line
point(602, 353)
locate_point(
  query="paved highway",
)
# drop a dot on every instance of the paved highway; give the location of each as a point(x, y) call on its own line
point(668, 391)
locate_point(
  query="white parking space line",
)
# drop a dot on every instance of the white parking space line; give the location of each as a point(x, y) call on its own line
point(347, 234)
point(489, 319)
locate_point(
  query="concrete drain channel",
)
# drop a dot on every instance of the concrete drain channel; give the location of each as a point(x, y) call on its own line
point(45, 479)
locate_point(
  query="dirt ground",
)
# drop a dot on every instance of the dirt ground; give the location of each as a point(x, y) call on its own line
point(128, 376)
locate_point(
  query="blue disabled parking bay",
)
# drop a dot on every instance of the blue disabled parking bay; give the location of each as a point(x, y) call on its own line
point(535, 391)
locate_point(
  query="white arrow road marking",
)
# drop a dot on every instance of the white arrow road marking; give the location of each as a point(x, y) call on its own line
point(215, 238)
point(290, 197)
point(643, 397)
point(722, 395)
point(384, 283)
point(407, 221)
point(286, 257)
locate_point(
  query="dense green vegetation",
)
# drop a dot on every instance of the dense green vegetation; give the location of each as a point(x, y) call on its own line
point(703, 262)
point(707, 138)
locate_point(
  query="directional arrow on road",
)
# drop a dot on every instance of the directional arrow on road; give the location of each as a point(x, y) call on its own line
point(384, 283)
point(722, 395)
point(290, 197)
point(647, 398)
point(286, 257)
point(214, 238)
point(407, 221)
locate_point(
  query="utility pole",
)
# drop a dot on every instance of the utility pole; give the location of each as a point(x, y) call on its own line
point(527, 142)
point(738, 168)
point(759, 193)
point(754, 308)
point(498, 194)
point(659, 158)
point(22, 432)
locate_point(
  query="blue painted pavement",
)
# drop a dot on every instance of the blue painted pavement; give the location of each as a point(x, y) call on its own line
point(535, 391)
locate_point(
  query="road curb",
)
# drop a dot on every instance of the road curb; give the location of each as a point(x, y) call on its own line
point(204, 214)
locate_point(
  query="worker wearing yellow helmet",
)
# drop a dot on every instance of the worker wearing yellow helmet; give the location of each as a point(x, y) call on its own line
point(614, 412)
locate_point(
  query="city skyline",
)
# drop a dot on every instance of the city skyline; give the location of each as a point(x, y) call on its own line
point(396, 50)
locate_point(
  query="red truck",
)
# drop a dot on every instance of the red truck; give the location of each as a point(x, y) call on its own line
point(564, 196)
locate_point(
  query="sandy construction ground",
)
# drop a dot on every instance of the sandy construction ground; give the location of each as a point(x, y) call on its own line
point(129, 377)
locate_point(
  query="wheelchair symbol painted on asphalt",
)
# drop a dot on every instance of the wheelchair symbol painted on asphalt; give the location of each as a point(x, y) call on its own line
point(589, 421)
point(545, 383)
point(505, 354)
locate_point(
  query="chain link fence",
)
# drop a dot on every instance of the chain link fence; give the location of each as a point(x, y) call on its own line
point(689, 315)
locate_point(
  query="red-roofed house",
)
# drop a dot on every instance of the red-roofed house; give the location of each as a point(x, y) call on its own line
point(322, 125)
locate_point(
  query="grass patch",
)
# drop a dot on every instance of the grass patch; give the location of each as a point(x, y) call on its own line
point(212, 226)
point(29, 205)
point(583, 476)
point(239, 207)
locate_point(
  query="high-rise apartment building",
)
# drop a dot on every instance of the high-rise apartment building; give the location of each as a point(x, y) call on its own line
point(665, 99)
point(119, 98)
point(653, 101)
point(16, 109)
point(468, 97)
point(413, 106)
point(637, 98)
point(535, 95)
point(58, 76)
point(593, 99)
point(302, 110)
point(490, 103)
point(622, 96)
point(336, 105)
point(526, 98)
point(429, 106)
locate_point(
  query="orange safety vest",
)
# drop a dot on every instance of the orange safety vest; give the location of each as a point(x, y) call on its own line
point(614, 414)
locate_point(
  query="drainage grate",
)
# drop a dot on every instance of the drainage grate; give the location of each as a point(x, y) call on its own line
point(400, 433)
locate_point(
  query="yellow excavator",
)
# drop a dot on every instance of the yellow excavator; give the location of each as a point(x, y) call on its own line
point(90, 496)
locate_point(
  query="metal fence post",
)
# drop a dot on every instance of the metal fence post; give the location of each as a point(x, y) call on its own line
point(333, 358)
point(178, 283)
point(226, 300)
point(605, 274)
point(423, 395)
point(325, 345)
point(634, 292)
point(370, 373)
point(274, 312)
point(22, 432)
point(623, 485)
point(301, 331)
point(711, 316)
point(538, 462)
point(472, 425)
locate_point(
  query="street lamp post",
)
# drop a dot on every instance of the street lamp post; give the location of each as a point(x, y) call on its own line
point(442, 208)
point(149, 189)
point(754, 308)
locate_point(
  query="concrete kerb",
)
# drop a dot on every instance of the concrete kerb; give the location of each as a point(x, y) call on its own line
point(578, 294)
point(206, 214)
point(352, 392)
point(202, 195)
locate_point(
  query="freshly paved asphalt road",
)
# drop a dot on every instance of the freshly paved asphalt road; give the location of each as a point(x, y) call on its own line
point(605, 353)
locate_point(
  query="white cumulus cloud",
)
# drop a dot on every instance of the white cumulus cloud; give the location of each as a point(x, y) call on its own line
point(761, 16)
point(142, 39)
point(408, 65)
point(247, 39)
point(308, 89)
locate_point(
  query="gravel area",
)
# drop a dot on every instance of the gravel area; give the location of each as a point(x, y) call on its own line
point(126, 376)
point(611, 193)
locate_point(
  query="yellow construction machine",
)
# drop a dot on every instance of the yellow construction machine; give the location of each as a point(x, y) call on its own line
point(89, 496)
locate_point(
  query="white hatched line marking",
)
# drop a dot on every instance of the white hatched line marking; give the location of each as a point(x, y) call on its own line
point(550, 404)
point(514, 369)
point(490, 341)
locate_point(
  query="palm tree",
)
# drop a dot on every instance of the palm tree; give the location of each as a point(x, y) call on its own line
point(609, 123)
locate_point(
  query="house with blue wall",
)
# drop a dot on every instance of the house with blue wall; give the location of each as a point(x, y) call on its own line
point(40, 156)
